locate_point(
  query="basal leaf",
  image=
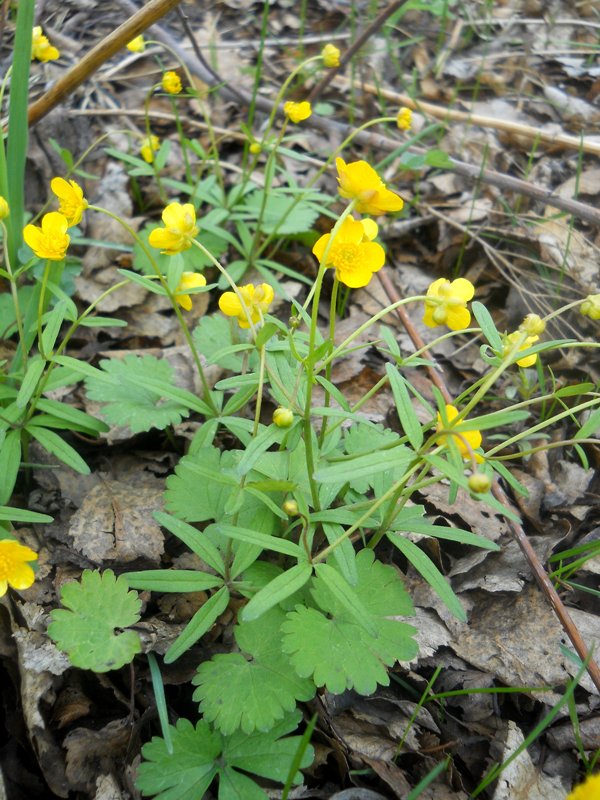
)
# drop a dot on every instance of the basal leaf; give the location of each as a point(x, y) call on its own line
point(128, 398)
point(85, 628)
point(261, 686)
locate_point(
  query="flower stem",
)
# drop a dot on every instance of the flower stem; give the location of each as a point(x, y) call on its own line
point(41, 303)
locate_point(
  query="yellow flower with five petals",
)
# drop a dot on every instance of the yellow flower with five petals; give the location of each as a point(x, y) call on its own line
point(352, 253)
point(14, 569)
point(51, 239)
point(72, 201)
point(446, 304)
point(359, 181)
point(249, 306)
point(180, 228)
point(509, 341)
point(188, 280)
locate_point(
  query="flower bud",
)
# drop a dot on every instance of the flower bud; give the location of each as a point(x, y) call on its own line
point(330, 55)
point(3, 208)
point(283, 417)
point(532, 325)
point(255, 148)
point(291, 508)
point(479, 483)
point(404, 119)
point(591, 306)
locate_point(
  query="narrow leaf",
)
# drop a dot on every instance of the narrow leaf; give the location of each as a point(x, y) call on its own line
point(200, 623)
point(53, 443)
point(277, 590)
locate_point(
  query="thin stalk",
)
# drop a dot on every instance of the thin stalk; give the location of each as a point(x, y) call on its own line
point(41, 303)
point(332, 309)
point(259, 395)
point(16, 304)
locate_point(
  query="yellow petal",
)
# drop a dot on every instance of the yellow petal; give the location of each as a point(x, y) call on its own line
point(463, 289)
point(185, 301)
point(230, 304)
point(320, 245)
point(457, 319)
point(370, 228)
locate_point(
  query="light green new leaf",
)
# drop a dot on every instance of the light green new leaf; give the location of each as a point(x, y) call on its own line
point(86, 631)
point(171, 580)
point(197, 541)
point(129, 395)
point(34, 372)
point(327, 643)
point(262, 540)
point(22, 515)
point(406, 413)
point(261, 685)
point(10, 461)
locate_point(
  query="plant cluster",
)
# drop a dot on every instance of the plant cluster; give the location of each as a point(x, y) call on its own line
point(291, 518)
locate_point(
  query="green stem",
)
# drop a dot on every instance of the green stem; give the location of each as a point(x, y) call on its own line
point(16, 304)
point(332, 317)
point(259, 395)
point(41, 304)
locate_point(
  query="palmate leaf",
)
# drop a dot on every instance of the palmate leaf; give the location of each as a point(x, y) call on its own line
point(126, 398)
point(201, 754)
point(261, 685)
point(329, 645)
point(86, 631)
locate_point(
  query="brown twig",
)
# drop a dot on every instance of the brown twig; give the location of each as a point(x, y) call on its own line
point(519, 534)
point(98, 55)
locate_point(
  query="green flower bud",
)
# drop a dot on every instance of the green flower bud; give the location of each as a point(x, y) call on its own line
point(479, 483)
point(283, 417)
point(291, 508)
point(532, 325)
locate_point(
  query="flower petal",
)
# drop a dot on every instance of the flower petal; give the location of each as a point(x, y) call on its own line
point(463, 289)
point(458, 318)
point(230, 304)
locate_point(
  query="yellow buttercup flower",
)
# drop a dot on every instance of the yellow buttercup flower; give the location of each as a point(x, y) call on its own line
point(14, 569)
point(41, 49)
point(189, 280)
point(149, 146)
point(51, 239)
point(509, 341)
point(466, 441)
point(296, 112)
point(72, 201)
point(180, 228)
point(588, 790)
point(359, 181)
point(137, 45)
point(171, 82)
point(4, 210)
point(353, 255)
point(591, 306)
point(331, 56)
point(404, 119)
point(446, 304)
point(256, 302)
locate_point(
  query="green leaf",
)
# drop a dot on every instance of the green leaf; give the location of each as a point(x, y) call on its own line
point(406, 413)
point(171, 580)
point(197, 541)
point(425, 566)
point(278, 589)
point(10, 461)
point(278, 215)
point(344, 594)
point(52, 443)
point(327, 643)
point(200, 623)
point(72, 415)
point(22, 515)
point(262, 540)
point(261, 686)
point(411, 519)
point(439, 159)
point(86, 632)
point(35, 368)
point(50, 332)
point(486, 323)
point(199, 755)
point(129, 394)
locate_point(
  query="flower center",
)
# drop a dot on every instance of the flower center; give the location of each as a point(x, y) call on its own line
point(55, 245)
point(6, 566)
point(345, 256)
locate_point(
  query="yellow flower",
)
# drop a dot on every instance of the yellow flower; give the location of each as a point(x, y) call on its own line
point(509, 341)
point(466, 441)
point(137, 45)
point(588, 790)
point(41, 47)
point(330, 55)
point(256, 302)
point(591, 306)
point(447, 304)
point(296, 112)
point(51, 239)
point(533, 325)
point(149, 146)
point(352, 254)
point(72, 201)
point(4, 210)
point(189, 280)
point(359, 181)
point(404, 119)
point(171, 82)
point(14, 571)
point(180, 228)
